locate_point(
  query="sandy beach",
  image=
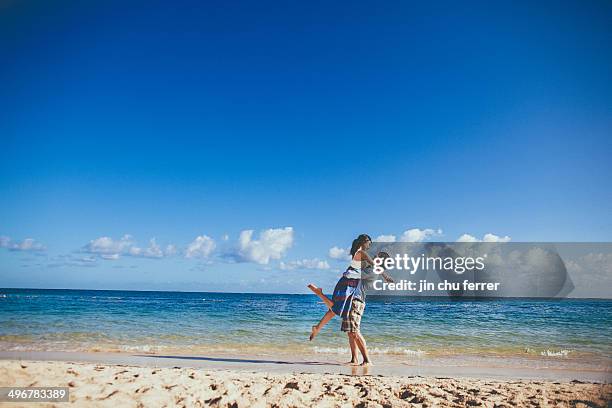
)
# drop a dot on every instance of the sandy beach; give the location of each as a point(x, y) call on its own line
point(247, 384)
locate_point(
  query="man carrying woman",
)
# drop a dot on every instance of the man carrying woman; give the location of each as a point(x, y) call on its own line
point(348, 299)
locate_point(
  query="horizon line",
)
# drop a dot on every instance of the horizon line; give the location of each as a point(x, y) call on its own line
point(280, 293)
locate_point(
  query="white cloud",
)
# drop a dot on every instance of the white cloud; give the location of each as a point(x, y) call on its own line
point(111, 249)
point(494, 238)
point(487, 238)
point(109, 246)
point(153, 251)
point(419, 235)
point(339, 253)
point(467, 238)
point(305, 264)
point(592, 263)
point(28, 244)
point(385, 238)
point(201, 247)
point(272, 244)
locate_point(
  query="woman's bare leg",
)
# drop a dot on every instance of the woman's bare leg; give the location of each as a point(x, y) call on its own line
point(361, 343)
point(319, 292)
point(326, 318)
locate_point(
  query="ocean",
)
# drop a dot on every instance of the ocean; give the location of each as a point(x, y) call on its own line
point(271, 324)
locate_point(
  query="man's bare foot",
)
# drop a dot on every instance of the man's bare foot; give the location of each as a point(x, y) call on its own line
point(352, 363)
point(314, 332)
point(366, 363)
point(315, 289)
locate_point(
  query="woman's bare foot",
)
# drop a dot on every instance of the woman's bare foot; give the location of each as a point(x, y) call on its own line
point(352, 363)
point(314, 332)
point(319, 292)
point(366, 363)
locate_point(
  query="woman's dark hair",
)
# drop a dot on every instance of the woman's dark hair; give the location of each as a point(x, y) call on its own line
point(358, 242)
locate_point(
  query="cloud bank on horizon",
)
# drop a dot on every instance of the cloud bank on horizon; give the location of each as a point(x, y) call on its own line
point(268, 245)
point(270, 250)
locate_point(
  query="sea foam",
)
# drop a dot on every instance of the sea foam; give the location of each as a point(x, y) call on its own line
point(375, 350)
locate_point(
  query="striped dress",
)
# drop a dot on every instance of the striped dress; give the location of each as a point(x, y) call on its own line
point(349, 287)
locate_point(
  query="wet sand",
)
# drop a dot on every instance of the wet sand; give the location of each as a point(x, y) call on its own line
point(494, 368)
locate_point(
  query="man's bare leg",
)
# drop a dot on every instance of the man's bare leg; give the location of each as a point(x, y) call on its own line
point(353, 346)
point(319, 292)
point(361, 343)
point(326, 318)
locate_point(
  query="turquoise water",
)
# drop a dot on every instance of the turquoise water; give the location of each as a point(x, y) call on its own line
point(268, 323)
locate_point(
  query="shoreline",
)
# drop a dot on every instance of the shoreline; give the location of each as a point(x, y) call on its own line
point(500, 369)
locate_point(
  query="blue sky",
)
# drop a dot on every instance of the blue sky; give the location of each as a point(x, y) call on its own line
point(308, 122)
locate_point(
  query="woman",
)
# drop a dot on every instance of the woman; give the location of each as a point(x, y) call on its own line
point(349, 299)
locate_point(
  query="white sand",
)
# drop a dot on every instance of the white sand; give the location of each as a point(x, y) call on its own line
point(112, 385)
